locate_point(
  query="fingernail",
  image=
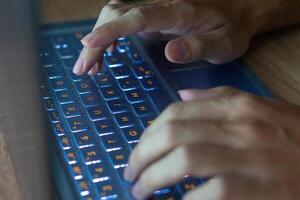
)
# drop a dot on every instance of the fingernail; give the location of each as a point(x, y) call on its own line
point(128, 175)
point(88, 38)
point(78, 65)
point(192, 94)
point(182, 51)
point(137, 192)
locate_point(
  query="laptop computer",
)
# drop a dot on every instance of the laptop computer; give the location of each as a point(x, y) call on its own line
point(95, 122)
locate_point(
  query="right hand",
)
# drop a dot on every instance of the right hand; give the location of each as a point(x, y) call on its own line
point(216, 31)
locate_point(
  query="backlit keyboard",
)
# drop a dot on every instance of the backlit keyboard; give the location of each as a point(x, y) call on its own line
point(98, 120)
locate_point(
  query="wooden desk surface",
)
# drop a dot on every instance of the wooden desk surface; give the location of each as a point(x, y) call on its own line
point(275, 57)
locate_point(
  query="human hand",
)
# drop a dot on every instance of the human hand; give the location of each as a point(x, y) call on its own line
point(216, 31)
point(250, 146)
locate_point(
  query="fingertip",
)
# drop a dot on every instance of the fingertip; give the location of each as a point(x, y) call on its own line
point(78, 66)
point(191, 94)
point(128, 175)
point(176, 51)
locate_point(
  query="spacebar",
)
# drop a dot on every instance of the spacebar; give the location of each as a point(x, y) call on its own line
point(160, 98)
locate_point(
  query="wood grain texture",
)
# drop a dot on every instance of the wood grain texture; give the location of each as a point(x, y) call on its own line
point(275, 57)
point(9, 188)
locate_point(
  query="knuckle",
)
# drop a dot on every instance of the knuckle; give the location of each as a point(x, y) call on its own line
point(170, 133)
point(225, 90)
point(112, 9)
point(186, 157)
point(253, 131)
point(247, 104)
point(174, 109)
point(138, 12)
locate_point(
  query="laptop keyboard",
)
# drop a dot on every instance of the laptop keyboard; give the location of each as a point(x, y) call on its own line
point(98, 120)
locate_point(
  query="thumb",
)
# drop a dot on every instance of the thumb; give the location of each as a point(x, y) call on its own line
point(214, 48)
point(192, 94)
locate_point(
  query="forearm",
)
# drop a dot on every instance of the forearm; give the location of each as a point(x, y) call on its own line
point(275, 14)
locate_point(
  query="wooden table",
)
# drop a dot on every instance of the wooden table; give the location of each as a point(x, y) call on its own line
point(275, 57)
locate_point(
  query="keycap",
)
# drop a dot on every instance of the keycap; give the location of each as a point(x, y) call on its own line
point(76, 171)
point(91, 155)
point(124, 119)
point(119, 157)
point(66, 51)
point(46, 44)
point(188, 184)
point(112, 142)
point(75, 77)
point(160, 99)
point(121, 45)
point(59, 84)
point(97, 112)
point(64, 142)
point(85, 86)
point(48, 104)
point(78, 123)
point(70, 156)
point(127, 83)
point(54, 72)
point(77, 37)
point(70, 62)
point(135, 55)
point(104, 126)
point(170, 196)
point(147, 121)
point(65, 96)
point(71, 109)
point(142, 108)
point(63, 46)
point(49, 60)
point(90, 99)
point(150, 83)
point(114, 60)
point(88, 197)
point(82, 187)
point(120, 172)
point(117, 106)
point(45, 92)
point(134, 96)
point(54, 117)
point(142, 70)
point(132, 134)
point(60, 40)
point(98, 172)
point(59, 129)
point(162, 191)
point(110, 92)
point(121, 71)
point(107, 190)
point(132, 145)
point(85, 139)
point(103, 80)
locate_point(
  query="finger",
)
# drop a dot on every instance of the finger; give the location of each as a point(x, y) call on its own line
point(87, 59)
point(190, 160)
point(149, 35)
point(214, 93)
point(94, 70)
point(211, 190)
point(178, 133)
point(89, 56)
point(214, 47)
point(112, 47)
point(135, 20)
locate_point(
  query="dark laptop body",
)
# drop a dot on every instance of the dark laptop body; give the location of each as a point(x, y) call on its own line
point(21, 115)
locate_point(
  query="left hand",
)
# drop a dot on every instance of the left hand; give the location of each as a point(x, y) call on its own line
point(249, 145)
